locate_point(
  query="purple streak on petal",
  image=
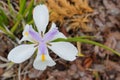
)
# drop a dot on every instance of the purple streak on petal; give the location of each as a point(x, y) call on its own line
point(34, 35)
point(42, 48)
point(50, 34)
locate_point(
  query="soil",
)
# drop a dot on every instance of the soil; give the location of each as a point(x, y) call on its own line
point(97, 64)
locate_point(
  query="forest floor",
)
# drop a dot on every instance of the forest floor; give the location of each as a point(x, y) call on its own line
point(96, 64)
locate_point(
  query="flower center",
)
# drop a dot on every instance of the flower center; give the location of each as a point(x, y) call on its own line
point(43, 58)
point(26, 33)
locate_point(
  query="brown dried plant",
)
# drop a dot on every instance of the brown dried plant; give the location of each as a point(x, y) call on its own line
point(74, 13)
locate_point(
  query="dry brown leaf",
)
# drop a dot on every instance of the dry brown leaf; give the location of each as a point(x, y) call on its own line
point(79, 66)
point(118, 76)
point(116, 35)
point(99, 67)
point(87, 62)
point(8, 74)
point(34, 73)
point(1, 71)
point(112, 65)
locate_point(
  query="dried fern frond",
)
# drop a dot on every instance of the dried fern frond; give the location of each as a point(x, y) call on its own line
point(72, 12)
point(83, 4)
point(80, 22)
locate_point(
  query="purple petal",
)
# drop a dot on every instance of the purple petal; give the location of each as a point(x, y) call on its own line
point(35, 35)
point(42, 48)
point(50, 34)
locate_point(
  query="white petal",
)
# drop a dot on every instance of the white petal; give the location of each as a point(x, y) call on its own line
point(52, 26)
point(64, 50)
point(42, 65)
point(59, 34)
point(26, 36)
point(41, 17)
point(21, 53)
point(26, 28)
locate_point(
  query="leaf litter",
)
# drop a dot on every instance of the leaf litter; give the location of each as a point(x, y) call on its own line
point(98, 18)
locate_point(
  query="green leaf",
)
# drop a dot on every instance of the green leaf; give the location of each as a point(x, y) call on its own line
point(3, 18)
point(23, 13)
point(28, 11)
point(7, 32)
point(22, 6)
point(10, 7)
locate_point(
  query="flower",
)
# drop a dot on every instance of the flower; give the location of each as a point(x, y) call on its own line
point(41, 41)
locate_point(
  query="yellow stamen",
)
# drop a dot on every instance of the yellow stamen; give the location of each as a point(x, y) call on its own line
point(43, 57)
point(26, 34)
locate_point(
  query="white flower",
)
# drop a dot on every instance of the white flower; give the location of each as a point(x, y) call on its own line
point(41, 41)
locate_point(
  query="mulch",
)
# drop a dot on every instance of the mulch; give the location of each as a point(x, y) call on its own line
point(97, 64)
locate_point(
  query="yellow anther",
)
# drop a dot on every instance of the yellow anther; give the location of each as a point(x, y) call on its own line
point(26, 33)
point(43, 57)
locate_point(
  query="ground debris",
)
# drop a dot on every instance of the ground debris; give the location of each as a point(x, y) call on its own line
point(98, 18)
